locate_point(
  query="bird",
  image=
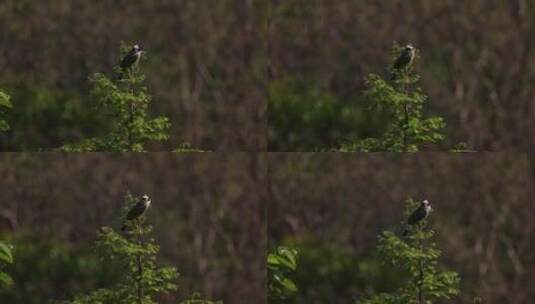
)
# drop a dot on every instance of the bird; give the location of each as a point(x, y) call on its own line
point(137, 210)
point(130, 59)
point(404, 60)
point(418, 215)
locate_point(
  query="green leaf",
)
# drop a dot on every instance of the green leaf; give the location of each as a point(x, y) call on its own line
point(4, 100)
point(5, 254)
point(273, 260)
point(289, 285)
point(5, 279)
point(3, 125)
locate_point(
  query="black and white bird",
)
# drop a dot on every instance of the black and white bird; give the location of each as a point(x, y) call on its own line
point(404, 60)
point(418, 215)
point(130, 59)
point(137, 210)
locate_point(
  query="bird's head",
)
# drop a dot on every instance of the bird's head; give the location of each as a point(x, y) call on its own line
point(145, 199)
point(427, 204)
point(411, 49)
point(137, 50)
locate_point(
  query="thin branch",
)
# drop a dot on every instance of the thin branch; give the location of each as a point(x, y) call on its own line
point(129, 127)
point(139, 272)
point(420, 284)
point(405, 124)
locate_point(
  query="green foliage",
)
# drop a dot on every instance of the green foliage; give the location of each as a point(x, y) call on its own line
point(4, 103)
point(281, 264)
point(417, 256)
point(126, 101)
point(46, 117)
point(187, 147)
point(5, 258)
point(49, 268)
point(407, 128)
point(142, 279)
point(196, 299)
point(329, 270)
point(462, 147)
point(307, 117)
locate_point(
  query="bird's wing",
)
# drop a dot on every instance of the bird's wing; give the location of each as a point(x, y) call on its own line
point(136, 211)
point(403, 59)
point(416, 216)
point(128, 59)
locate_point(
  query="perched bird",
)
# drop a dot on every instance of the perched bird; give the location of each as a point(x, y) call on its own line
point(130, 59)
point(137, 210)
point(404, 60)
point(418, 215)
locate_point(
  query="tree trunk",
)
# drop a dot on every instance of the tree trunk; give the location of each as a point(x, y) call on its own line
point(406, 114)
point(139, 274)
point(129, 127)
point(405, 127)
point(421, 283)
point(421, 271)
point(139, 277)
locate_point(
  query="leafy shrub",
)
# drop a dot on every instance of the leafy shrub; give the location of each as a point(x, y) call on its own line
point(126, 101)
point(4, 103)
point(281, 263)
point(5, 258)
point(407, 129)
point(417, 256)
point(136, 250)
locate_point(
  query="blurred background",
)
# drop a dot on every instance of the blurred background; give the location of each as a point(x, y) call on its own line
point(205, 67)
point(207, 217)
point(333, 207)
point(477, 64)
point(207, 62)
